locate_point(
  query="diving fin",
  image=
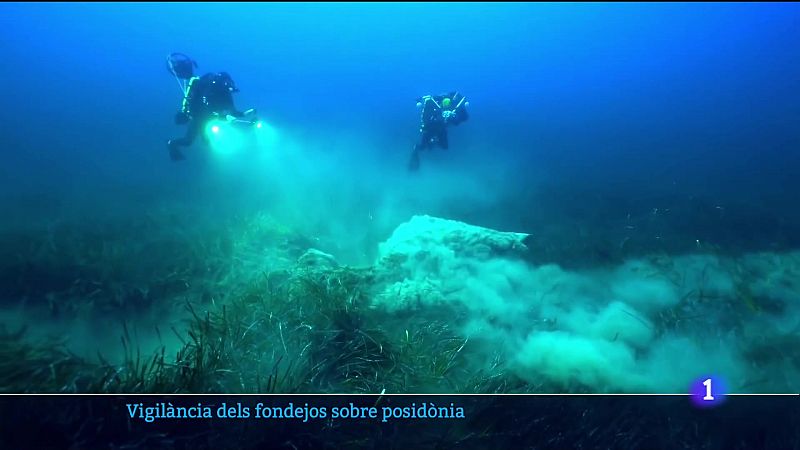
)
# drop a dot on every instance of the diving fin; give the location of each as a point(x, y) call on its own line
point(174, 153)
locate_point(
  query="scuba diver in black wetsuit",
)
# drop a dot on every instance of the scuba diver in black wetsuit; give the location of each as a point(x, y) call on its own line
point(204, 98)
point(437, 113)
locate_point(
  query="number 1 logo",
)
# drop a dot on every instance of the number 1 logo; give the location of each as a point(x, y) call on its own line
point(708, 391)
point(708, 396)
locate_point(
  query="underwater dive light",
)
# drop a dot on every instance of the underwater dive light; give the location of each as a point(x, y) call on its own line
point(228, 135)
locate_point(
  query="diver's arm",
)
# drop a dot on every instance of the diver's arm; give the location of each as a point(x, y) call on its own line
point(458, 98)
point(228, 106)
point(423, 101)
point(460, 111)
point(427, 104)
point(235, 112)
point(462, 102)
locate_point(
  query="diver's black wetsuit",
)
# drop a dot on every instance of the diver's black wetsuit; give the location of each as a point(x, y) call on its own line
point(434, 122)
point(206, 95)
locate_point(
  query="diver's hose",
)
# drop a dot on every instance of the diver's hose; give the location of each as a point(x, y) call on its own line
point(180, 85)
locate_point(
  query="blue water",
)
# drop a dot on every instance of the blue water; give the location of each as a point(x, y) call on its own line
point(607, 131)
point(622, 96)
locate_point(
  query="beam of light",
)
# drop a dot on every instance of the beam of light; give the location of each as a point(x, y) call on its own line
point(266, 135)
point(224, 138)
point(227, 138)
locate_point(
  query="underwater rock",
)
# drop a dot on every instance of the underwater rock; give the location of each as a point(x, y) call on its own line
point(410, 294)
point(315, 259)
point(429, 260)
point(425, 233)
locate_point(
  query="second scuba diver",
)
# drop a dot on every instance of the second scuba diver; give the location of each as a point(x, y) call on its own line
point(438, 112)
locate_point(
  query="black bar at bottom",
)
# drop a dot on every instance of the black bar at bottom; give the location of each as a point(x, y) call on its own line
point(399, 422)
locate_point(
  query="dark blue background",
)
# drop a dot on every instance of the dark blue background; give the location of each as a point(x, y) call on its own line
point(631, 101)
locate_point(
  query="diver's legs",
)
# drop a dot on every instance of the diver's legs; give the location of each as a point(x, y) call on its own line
point(424, 142)
point(174, 153)
point(413, 162)
point(173, 145)
point(442, 139)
